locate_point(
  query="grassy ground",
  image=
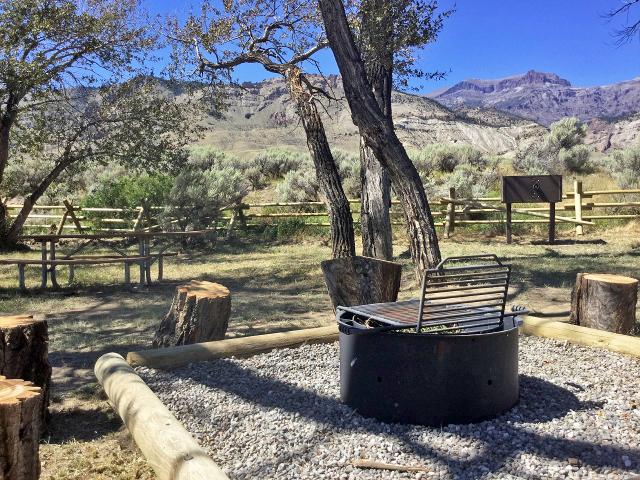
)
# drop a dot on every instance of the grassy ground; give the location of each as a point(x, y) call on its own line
point(274, 287)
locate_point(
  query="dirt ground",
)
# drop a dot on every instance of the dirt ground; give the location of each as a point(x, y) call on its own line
point(274, 287)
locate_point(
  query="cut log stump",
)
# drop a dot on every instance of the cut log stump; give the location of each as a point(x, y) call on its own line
point(603, 301)
point(20, 410)
point(361, 280)
point(24, 347)
point(199, 313)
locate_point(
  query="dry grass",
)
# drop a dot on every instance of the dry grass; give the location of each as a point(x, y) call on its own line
point(274, 287)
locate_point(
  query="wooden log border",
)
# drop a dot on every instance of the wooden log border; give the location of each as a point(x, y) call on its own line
point(589, 337)
point(174, 357)
point(168, 447)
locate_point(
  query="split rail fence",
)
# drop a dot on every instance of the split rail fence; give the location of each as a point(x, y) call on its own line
point(449, 212)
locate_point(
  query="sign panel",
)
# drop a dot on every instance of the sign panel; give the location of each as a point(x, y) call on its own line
point(532, 189)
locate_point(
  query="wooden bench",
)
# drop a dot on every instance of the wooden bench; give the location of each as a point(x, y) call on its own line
point(153, 257)
point(44, 264)
point(144, 261)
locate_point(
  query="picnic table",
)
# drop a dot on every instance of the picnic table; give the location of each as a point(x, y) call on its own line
point(145, 257)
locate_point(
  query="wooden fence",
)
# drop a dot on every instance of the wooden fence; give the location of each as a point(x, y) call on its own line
point(449, 212)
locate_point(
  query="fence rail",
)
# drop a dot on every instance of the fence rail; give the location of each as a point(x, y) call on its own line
point(449, 213)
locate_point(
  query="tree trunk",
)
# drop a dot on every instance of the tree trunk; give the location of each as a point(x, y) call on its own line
point(379, 134)
point(199, 313)
point(342, 236)
point(24, 353)
point(20, 407)
point(606, 302)
point(5, 128)
point(361, 280)
point(375, 221)
point(10, 236)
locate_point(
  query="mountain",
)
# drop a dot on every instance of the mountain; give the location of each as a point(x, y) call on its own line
point(544, 97)
point(260, 115)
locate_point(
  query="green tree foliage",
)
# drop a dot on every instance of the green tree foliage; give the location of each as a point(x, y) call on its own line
point(70, 96)
point(561, 150)
point(390, 34)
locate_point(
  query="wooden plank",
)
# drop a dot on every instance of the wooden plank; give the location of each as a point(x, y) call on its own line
point(173, 357)
point(168, 447)
point(450, 222)
point(589, 337)
point(577, 187)
point(62, 222)
point(79, 261)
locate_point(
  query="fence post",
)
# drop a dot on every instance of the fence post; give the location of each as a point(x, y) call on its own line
point(450, 222)
point(62, 222)
point(72, 214)
point(137, 223)
point(577, 197)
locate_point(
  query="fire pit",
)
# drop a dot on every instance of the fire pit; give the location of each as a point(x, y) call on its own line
point(449, 357)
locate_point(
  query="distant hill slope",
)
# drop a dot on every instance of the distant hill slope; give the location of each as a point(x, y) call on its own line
point(260, 115)
point(544, 97)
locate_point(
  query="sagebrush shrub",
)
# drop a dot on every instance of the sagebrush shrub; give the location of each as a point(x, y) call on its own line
point(200, 191)
point(625, 165)
point(561, 150)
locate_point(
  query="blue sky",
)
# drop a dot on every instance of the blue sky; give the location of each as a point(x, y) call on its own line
point(498, 38)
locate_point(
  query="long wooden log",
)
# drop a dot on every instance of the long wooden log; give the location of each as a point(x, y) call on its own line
point(173, 357)
point(168, 447)
point(589, 337)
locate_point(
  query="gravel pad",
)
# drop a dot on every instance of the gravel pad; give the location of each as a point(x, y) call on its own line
point(278, 415)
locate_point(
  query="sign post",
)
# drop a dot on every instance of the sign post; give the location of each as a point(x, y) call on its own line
point(532, 189)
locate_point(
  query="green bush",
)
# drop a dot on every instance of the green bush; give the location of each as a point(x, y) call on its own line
point(567, 133)
point(576, 159)
point(300, 185)
point(273, 164)
point(561, 150)
point(445, 158)
point(129, 191)
point(349, 170)
point(201, 190)
point(625, 165)
point(472, 172)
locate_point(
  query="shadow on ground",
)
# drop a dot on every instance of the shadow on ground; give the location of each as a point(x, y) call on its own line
point(540, 402)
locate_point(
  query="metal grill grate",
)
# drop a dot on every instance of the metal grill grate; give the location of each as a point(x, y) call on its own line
point(458, 296)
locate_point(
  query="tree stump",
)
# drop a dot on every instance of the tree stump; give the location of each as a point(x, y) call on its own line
point(20, 417)
point(24, 353)
point(199, 313)
point(603, 301)
point(361, 280)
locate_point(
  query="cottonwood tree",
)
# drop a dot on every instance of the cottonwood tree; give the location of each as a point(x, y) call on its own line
point(388, 32)
point(627, 10)
point(281, 37)
point(63, 102)
point(379, 134)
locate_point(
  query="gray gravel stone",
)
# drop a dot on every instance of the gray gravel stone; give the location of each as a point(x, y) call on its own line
point(278, 415)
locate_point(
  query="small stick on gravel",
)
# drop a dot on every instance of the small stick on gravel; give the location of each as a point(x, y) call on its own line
point(372, 464)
